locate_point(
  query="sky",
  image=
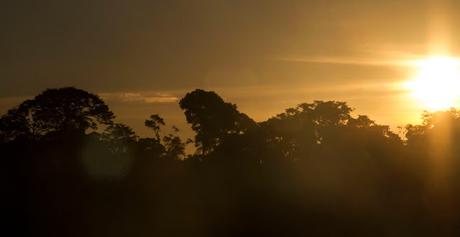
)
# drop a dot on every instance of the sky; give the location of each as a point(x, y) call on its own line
point(142, 56)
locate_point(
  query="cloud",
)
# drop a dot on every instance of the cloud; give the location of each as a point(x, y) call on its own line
point(148, 98)
point(369, 57)
point(347, 61)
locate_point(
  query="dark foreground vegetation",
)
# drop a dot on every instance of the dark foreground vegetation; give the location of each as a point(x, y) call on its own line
point(68, 169)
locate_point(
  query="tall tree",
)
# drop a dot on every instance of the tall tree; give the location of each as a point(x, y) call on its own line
point(212, 118)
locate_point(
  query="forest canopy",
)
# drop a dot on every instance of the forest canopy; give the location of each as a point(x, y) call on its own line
point(71, 170)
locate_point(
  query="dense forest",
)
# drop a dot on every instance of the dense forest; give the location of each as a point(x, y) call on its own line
point(315, 169)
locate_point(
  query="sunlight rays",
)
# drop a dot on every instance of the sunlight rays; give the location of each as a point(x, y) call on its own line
point(436, 84)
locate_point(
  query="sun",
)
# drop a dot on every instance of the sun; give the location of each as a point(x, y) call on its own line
point(436, 84)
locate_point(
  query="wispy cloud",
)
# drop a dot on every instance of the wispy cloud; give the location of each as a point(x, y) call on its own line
point(369, 57)
point(347, 61)
point(149, 98)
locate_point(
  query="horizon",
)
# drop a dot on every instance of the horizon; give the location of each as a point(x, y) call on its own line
point(134, 108)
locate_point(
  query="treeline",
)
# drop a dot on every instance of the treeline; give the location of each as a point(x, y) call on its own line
point(69, 169)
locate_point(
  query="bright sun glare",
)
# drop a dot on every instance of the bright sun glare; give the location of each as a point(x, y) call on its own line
point(437, 82)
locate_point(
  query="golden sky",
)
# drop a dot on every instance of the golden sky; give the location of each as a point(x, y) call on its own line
point(142, 56)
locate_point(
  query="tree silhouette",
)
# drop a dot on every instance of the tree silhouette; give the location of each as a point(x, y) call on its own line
point(155, 122)
point(212, 118)
point(120, 133)
point(175, 148)
point(55, 110)
point(432, 123)
point(301, 130)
